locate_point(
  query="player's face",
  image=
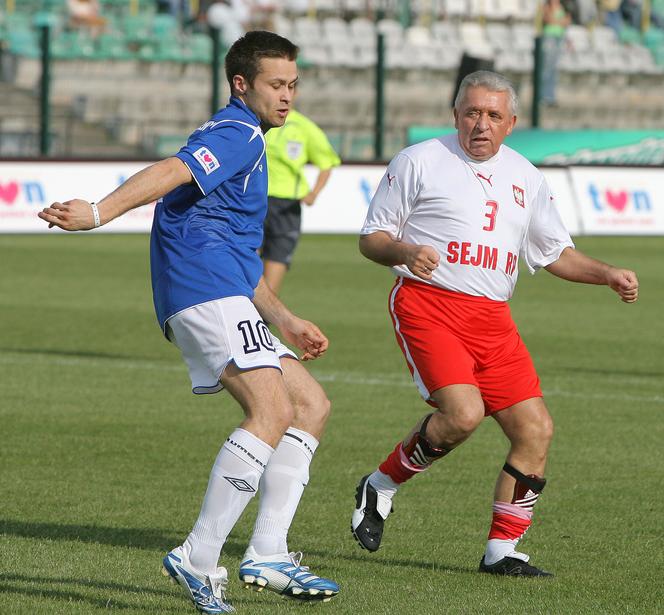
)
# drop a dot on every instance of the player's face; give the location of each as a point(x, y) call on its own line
point(271, 95)
point(483, 120)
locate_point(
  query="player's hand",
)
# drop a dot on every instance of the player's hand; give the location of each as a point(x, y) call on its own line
point(74, 215)
point(422, 261)
point(310, 198)
point(625, 283)
point(306, 336)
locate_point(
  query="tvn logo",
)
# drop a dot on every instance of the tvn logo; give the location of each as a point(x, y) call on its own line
point(11, 191)
point(620, 201)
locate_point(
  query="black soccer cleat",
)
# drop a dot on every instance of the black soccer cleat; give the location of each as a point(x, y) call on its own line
point(371, 510)
point(513, 567)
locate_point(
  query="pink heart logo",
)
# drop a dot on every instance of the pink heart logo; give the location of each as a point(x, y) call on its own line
point(617, 200)
point(9, 192)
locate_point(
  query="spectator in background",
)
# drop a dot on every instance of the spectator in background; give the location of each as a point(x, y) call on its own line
point(632, 12)
point(611, 15)
point(555, 20)
point(298, 142)
point(180, 9)
point(86, 14)
point(582, 12)
point(234, 14)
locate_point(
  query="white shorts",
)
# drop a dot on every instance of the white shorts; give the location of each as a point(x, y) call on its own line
point(213, 334)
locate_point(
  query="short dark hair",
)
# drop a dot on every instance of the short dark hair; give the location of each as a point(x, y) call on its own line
point(246, 52)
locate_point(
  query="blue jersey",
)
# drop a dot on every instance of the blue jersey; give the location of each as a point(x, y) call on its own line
point(206, 234)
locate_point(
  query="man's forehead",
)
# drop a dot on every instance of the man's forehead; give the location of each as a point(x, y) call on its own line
point(277, 68)
point(479, 96)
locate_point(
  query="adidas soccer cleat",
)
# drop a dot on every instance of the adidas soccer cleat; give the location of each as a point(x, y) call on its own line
point(207, 592)
point(513, 567)
point(371, 510)
point(284, 575)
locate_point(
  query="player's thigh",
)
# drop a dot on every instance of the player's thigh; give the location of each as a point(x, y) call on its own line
point(508, 375)
point(216, 334)
point(435, 356)
point(527, 424)
point(309, 401)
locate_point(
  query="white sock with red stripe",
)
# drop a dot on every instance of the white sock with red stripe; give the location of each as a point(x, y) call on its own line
point(510, 522)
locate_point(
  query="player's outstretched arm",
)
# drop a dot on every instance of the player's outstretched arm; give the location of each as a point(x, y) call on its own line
point(296, 331)
point(321, 180)
point(575, 266)
point(144, 187)
point(381, 248)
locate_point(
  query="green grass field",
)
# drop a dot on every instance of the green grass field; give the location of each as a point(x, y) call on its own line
point(105, 453)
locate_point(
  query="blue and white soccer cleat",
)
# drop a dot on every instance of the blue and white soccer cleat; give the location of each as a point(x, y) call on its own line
point(284, 575)
point(207, 592)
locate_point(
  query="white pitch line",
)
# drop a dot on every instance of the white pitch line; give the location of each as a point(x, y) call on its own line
point(387, 380)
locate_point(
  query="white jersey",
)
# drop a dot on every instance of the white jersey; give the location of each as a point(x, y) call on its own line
point(479, 216)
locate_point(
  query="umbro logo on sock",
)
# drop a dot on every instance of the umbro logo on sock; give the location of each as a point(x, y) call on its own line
point(240, 484)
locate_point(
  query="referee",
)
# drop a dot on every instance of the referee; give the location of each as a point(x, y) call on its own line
point(298, 142)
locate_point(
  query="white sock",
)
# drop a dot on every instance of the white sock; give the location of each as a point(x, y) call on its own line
point(282, 485)
point(497, 549)
point(383, 483)
point(233, 482)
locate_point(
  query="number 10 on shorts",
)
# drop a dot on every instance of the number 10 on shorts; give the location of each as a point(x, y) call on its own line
point(256, 336)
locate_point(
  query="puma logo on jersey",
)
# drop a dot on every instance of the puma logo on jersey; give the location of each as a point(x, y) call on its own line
point(486, 179)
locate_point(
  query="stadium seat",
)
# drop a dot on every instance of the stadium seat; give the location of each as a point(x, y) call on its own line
point(306, 31)
point(391, 30)
point(474, 40)
point(282, 25)
point(418, 35)
point(456, 9)
point(499, 35)
point(446, 32)
point(579, 38)
point(603, 37)
point(523, 36)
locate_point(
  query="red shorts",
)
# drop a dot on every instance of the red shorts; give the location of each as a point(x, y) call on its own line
point(453, 338)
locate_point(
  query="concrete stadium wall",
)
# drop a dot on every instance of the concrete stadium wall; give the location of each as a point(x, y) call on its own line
point(591, 200)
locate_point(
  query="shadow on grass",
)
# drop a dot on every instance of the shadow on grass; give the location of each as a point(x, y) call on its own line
point(83, 354)
point(16, 584)
point(100, 585)
point(137, 538)
point(368, 560)
point(78, 598)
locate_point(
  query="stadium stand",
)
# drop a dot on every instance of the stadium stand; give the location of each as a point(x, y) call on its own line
point(144, 82)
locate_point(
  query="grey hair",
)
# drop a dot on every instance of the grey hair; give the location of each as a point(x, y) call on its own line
point(492, 82)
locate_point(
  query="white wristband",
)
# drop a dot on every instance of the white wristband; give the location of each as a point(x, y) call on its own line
point(95, 213)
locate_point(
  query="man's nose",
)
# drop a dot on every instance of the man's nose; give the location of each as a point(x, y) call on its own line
point(483, 122)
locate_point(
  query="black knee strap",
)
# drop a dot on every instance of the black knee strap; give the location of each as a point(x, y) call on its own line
point(533, 482)
point(419, 450)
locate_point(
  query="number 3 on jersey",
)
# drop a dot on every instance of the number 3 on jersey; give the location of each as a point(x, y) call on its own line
point(491, 215)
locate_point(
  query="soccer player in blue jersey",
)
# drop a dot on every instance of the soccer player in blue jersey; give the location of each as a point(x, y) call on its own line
point(212, 303)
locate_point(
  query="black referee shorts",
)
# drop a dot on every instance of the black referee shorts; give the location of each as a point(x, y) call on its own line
point(281, 230)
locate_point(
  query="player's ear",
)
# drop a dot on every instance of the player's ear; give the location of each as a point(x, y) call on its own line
point(511, 127)
point(240, 84)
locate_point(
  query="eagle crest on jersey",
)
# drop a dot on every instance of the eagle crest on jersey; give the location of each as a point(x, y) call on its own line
point(519, 198)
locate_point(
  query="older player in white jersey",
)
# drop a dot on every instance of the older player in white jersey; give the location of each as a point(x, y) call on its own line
point(451, 217)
